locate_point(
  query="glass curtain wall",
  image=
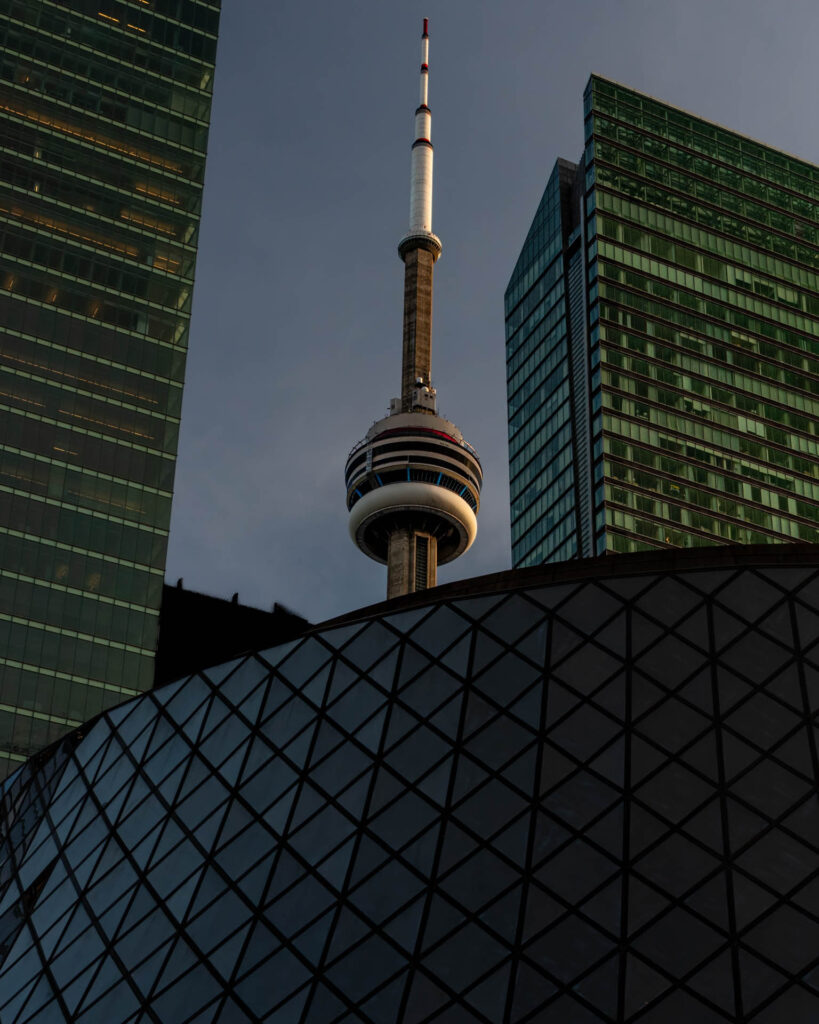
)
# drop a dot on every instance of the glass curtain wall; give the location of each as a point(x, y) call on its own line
point(699, 350)
point(541, 472)
point(704, 256)
point(104, 113)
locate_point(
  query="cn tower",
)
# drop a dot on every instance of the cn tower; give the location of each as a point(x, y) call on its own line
point(413, 483)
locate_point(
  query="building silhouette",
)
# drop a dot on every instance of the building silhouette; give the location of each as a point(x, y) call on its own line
point(104, 112)
point(413, 483)
point(661, 327)
point(583, 792)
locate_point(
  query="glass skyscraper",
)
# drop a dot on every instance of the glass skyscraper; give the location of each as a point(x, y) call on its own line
point(662, 328)
point(104, 113)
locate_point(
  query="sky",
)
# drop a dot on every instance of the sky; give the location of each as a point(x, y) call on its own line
point(295, 343)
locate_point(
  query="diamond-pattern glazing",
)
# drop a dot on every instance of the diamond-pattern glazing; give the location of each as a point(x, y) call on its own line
point(590, 801)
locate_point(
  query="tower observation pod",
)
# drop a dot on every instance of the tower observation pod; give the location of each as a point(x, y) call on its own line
point(413, 483)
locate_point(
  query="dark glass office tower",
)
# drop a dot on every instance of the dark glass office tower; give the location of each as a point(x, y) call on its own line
point(662, 338)
point(104, 111)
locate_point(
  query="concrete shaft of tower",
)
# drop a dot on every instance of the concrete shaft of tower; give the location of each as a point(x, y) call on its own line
point(419, 250)
point(412, 562)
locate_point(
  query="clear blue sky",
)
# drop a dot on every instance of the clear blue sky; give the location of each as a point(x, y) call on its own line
point(296, 333)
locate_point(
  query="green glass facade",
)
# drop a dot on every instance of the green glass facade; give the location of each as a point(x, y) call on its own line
point(675, 287)
point(104, 113)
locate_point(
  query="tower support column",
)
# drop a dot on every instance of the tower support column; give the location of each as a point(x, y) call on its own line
point(412, 562)
point(417, 348)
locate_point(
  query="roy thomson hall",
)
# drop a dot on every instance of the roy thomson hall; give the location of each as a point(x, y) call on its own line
point(581, 792)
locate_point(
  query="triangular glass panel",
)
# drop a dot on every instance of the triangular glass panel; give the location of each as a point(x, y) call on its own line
point(365, 968)
point(477, 607)
point(369, 856)
point(677, 942)
point(354, 797)
point(144, 976)
point(507, 678)
point(383, 1007)
point(205, 831)
point(750, 599)
point(283, 974)
point(706, 826)
point(356, 706)
point(695, 630)
point(478, 880)
point(413, 662)
point(72, 993)
point(645, 904)
point(349, 929)
point(569, 949)
point(456, 659)
point(436, 784)
point(672, 725)
point(796, 753)
point(600, 988)
point(403, 927)
point(715, 982)
point(674, 792)
point(710, 901)
point(759, 980)
point(333, 868)
point(368, 645)
point(489, 995)
point(486, 651)
point(555, 766)
point(253, 883)
point(676, 865)
point(541, 909)
point(584, 732)
point(533, 990)
point(403, 622)
point(533, 645)
point(277, 815)
point(512, 619)
point(470, 775)
point(402, 820)
point(771, 789)
point(425, 999)
point(311, 942)
point(342, 678)
point(804, 823)
point(645, 759)
point(737, 754)
point(259, 947)
point(488, 809)
point(643, 985)
point(437, 632)
point(607, 832)
point(325, 1006)
point(457, 845)
point(514, 839)
point(589, 606)
point(575, 871)
point(645, 694)
point(520, 772)
point(785, 687)
point(605, 907)
point(581, 799)
point(304, 661)
point(383, 673)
